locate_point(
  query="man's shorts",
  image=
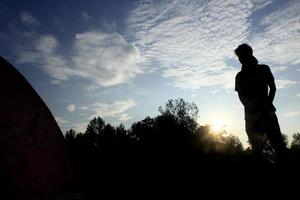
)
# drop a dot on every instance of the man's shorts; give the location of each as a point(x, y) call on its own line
point(261, 122)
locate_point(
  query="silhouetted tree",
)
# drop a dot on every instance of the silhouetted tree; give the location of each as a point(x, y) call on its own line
point(180, 109)
point(108, 132)
point(95, 126)
point(121, 131)
point(204, 140)
point(142, 130)
point(185, 113)
point(295, 144)
point(168, 141)
point(229, 144)
point(295, 149)
point(122, 136)
point(70, 135)
point(123, 141)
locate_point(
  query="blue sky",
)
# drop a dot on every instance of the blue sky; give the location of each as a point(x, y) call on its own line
point(123, 59)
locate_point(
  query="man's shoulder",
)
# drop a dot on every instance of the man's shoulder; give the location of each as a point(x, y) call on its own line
point(238, 81)
point(264, 67)
point(238, 74)
point(265, 71)
point(241, 75)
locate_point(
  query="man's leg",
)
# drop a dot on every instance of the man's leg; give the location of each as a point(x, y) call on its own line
point(256, 140)
point(275, 137)
point(256, 137)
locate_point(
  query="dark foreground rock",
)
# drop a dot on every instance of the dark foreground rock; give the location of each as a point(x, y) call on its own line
point(34, 161)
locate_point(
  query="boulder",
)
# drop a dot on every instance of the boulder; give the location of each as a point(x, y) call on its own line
point(34, 158)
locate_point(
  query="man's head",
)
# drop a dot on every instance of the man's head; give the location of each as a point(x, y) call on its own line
point(243, 49)
point(245, 53)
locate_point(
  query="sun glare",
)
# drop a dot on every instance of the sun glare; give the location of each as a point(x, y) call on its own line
point(217, 125)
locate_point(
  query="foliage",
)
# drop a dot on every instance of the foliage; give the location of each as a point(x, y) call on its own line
point(168, 141)
point(295, 144)
point(70, 135)
point(183, 112)
point(95, 126)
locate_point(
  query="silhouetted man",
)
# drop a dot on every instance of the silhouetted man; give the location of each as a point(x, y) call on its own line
point(256, 89)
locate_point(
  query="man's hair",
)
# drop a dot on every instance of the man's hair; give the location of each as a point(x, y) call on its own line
point(243, 49)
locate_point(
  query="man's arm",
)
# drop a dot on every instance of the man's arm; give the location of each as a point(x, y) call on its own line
point(272, 91)
point(271, 84)
point(246, 101)
point(243, 99)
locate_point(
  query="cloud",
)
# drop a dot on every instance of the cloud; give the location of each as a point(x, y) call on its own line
point(28, 20)
point(298, 95)
point(105, 59)
point(279, 69)
point(291, 114)
point(79, 127)
point(260, 4)
point(61, 121)
point(89, 87)
point(44, 54)
point(85, 16)
point(124, 117)
point(278, 41)
point(191, 40)
point(108, 26)
point(71, 107)
point(55, 82)
point(53, 63)
point(191, 79)
point(117, 109)
point(281, 83)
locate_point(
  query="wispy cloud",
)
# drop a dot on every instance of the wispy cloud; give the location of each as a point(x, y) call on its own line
point(191, 40)
point(71, 107)
point(279, 69)
point(124, 117)
point(85, 15)
point(116, 109)
point(108, 26)
point(105, 59)
point(281, 83)
point(278, 41)
point(259, 4)
point(291, 114)
point(79, 127)
point(89, 87)
point(61, 121)
point(28, 20)
point(53, 63)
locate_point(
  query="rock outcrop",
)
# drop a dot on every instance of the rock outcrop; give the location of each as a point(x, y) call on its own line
point(33, 155)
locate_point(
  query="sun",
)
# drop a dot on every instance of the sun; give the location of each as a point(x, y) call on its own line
point(217, 125)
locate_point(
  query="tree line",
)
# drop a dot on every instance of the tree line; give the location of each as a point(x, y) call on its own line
point(167, 141)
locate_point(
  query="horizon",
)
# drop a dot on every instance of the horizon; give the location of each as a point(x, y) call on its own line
point(121, 60)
